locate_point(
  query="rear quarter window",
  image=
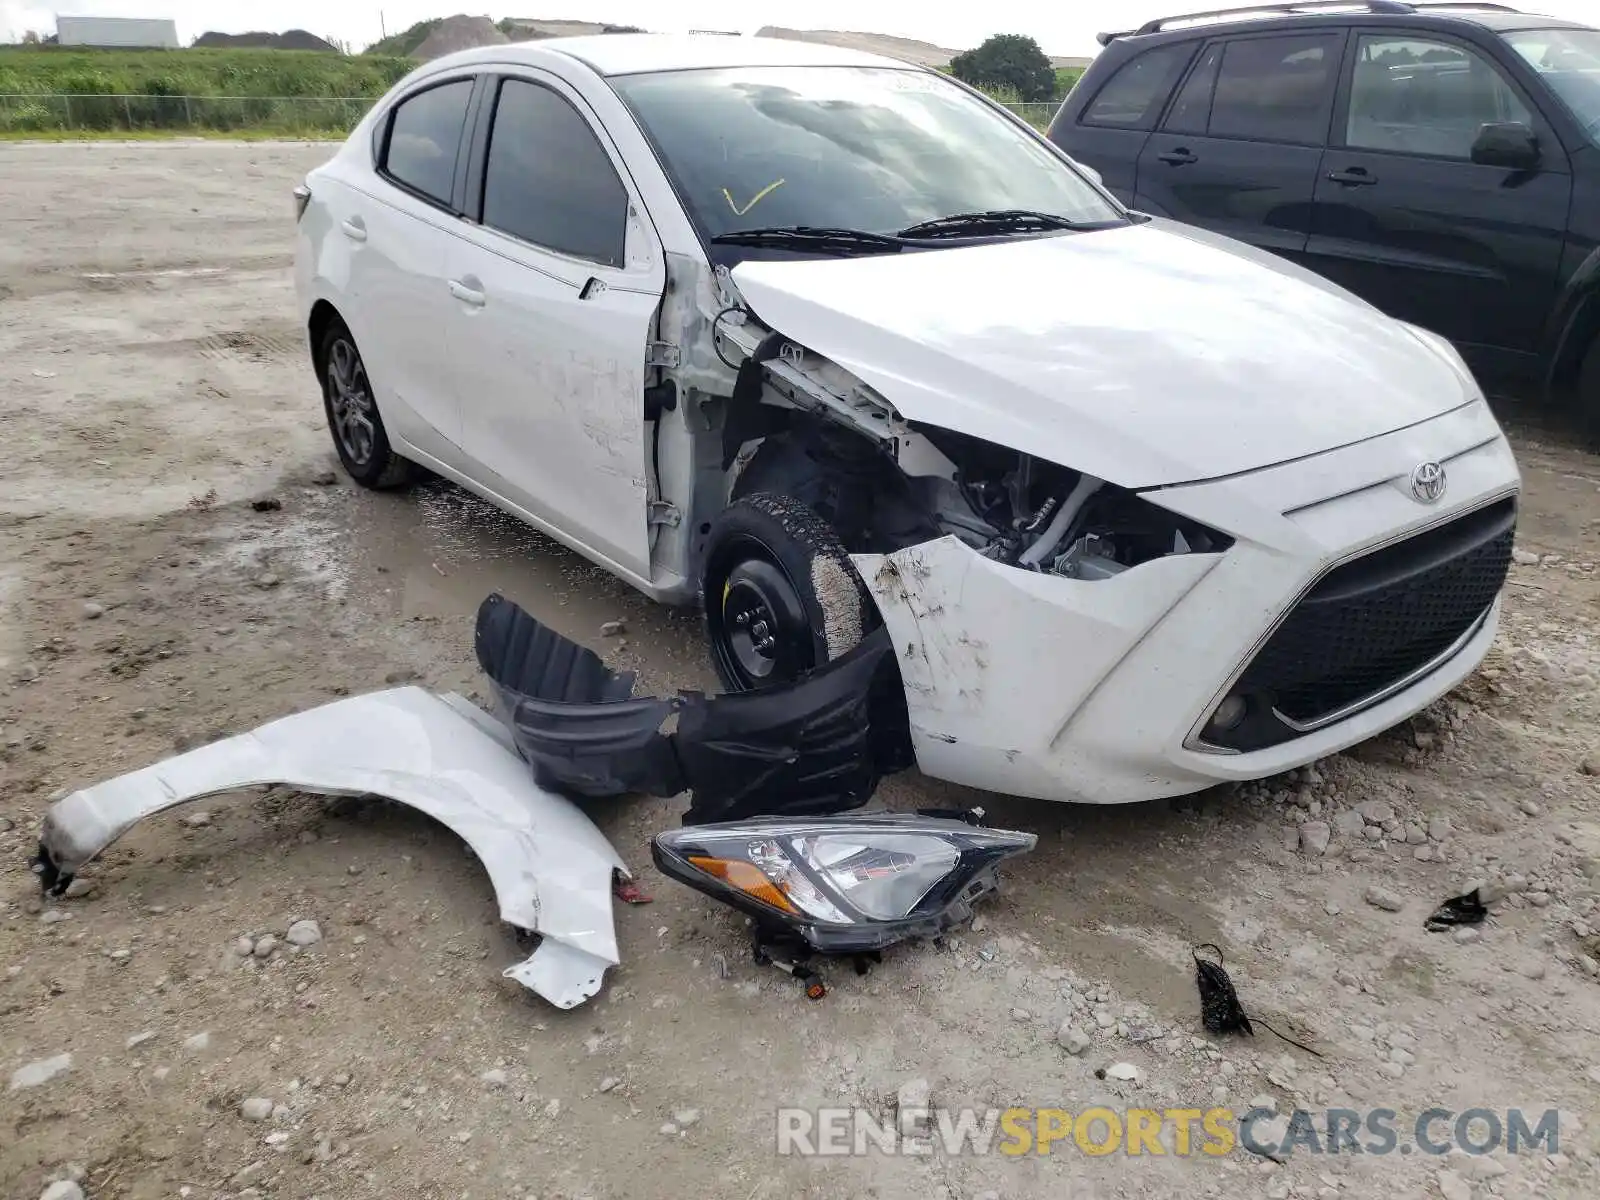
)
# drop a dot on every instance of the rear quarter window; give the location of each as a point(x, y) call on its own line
point(1134, 95)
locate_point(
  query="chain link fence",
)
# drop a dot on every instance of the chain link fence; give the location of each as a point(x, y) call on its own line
point(287, 115)
point(198, 114)
point(1039, 114)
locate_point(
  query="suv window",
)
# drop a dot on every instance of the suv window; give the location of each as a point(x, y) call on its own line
point(1191, 111)
point(1276, 89)
point(424, 136)
point(1133, 96)
point(548, 180)
point(1418, 96)
point(1569, 61)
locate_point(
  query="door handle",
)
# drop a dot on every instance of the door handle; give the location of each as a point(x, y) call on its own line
point(1354, 177)
point(467, 295)
point(1181, 157)
point(354, 230)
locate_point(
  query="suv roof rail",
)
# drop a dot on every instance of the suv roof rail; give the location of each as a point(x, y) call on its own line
point(1297, 7)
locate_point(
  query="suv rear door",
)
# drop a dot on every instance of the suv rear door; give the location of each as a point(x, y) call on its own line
point(1240, 145)
point(1406, 219)
point(1110, 130)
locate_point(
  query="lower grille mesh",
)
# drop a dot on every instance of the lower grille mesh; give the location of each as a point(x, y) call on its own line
point(1377, 619)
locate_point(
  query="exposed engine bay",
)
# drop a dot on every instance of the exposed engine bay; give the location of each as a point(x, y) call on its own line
point(884, 484)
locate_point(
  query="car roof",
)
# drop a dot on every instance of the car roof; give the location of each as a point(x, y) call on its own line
point(633, 53)
point(1292, 15)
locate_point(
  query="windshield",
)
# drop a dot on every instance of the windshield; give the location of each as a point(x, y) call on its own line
point(856, 148)
point(1569, 61)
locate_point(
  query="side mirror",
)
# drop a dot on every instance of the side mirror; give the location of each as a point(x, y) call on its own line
point(1089, 171)
point(1509, 144)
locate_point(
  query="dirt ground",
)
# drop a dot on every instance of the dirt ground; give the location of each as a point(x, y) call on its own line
point(153, 384)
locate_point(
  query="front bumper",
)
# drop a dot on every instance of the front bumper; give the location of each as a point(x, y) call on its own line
point(1097, 692)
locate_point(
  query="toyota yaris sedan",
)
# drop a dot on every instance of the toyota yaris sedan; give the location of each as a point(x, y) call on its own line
point(830, 345)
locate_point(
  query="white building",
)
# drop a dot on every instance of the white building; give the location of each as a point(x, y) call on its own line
point(127, 32)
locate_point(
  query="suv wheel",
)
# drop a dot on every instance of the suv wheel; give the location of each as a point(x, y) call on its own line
point(781, 596)
point(352, 409)
point(1588, 396)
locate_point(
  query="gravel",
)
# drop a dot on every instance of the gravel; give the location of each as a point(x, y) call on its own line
point(1315, 837)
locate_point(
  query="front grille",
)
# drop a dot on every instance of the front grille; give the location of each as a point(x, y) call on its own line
point(1373, 621)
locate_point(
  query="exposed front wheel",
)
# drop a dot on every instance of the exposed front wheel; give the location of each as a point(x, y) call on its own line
point(781, 595)
point(352, 410)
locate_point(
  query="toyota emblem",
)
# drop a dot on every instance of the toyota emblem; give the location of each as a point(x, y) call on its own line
point(1428, 482)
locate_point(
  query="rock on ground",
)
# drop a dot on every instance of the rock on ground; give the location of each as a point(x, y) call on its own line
point(1382, 898)
point(40, 1072)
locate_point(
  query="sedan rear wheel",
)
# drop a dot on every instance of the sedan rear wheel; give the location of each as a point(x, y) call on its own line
point(353, 419)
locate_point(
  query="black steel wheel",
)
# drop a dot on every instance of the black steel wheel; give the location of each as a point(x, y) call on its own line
point(352, 410)
point(781, 596)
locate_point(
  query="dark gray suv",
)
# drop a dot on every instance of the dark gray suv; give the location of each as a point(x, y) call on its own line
point(1440, 160)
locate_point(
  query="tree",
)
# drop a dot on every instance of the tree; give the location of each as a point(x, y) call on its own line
point(1008, 60)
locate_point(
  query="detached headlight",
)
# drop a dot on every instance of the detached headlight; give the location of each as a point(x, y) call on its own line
point(843, 885)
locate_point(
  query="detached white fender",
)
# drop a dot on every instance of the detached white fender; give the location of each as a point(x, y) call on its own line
point(552, 870)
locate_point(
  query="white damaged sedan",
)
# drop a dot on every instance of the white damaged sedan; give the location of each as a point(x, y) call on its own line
point(832, 344)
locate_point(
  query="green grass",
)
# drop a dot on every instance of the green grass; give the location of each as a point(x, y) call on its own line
point(285, 134)
point(51, 91)
point(69, 92)
point(40, 70)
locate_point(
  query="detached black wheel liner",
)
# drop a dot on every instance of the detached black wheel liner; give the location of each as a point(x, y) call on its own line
point(781, 595)
point(352, 411)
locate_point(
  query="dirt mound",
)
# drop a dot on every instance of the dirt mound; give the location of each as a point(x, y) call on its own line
point(924, 54)
point(522, 30)
point(460, 33)
point(294, 39)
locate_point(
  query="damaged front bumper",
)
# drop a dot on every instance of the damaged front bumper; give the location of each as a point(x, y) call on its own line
point(551, 868)
point(1095, 691)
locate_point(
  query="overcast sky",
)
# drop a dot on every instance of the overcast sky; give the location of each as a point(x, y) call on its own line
point(1063, 28)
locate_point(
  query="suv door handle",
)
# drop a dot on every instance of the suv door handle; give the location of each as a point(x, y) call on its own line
point(1354, 177)
point(1181, 157)
point(468, 295)
point(354, 229)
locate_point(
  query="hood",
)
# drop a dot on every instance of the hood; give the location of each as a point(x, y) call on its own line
point(1145, 355)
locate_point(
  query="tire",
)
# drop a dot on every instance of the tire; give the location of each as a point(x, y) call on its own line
point(1588, 397)
point(781, 595)
point(352, 412)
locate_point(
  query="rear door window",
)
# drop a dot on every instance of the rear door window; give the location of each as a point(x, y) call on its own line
point(1134, 96)
point(1277, 89)
point(424, 138)
point(549, 181)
